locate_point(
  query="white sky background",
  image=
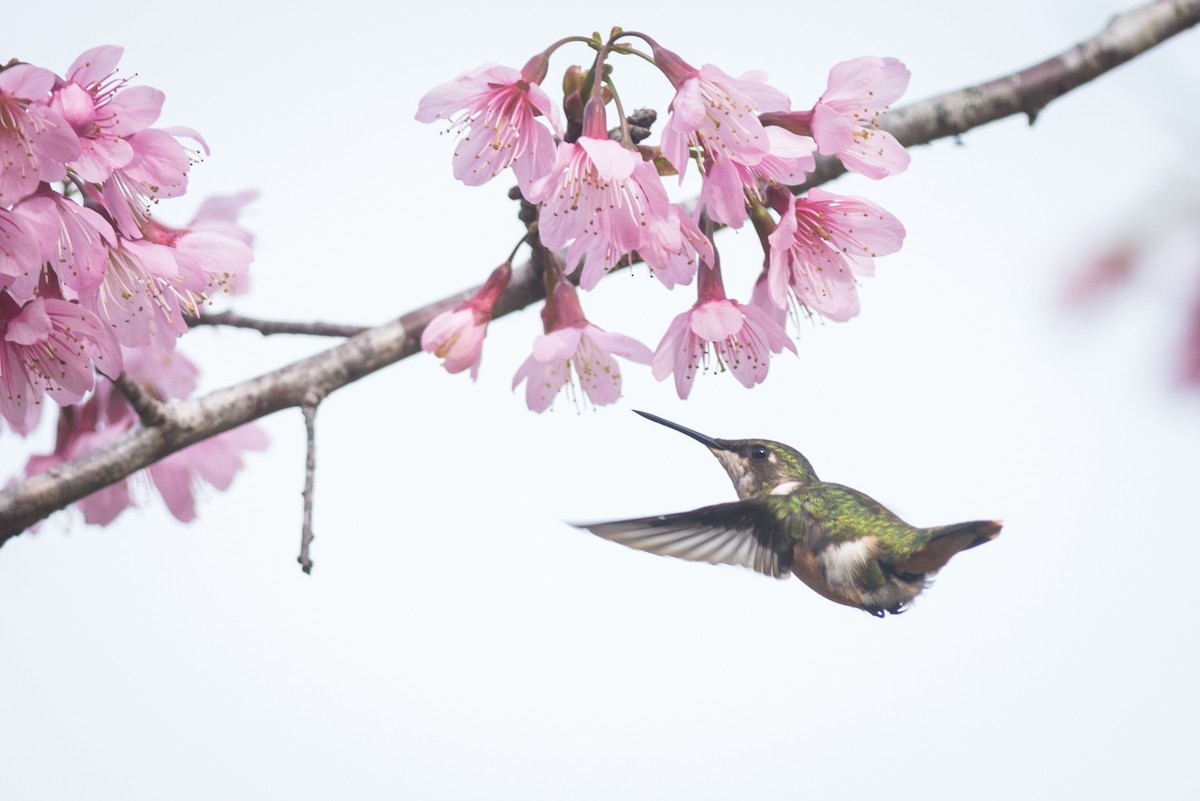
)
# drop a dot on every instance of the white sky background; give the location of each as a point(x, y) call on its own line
point(456, 639)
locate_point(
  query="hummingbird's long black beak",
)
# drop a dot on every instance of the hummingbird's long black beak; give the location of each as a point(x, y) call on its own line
point(696, 435)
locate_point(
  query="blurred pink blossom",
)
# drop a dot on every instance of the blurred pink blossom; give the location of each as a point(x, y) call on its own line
point(80, 430)
point(1190, 366)
point(107, 415)
point(214, 461)
point(221, 213)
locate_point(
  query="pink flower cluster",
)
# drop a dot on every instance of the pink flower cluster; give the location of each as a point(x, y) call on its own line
point(602, 203)
point(90, 280)
point(93, 247)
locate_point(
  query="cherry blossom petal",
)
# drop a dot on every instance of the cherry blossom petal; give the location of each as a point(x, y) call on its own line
point(556, 346)
point(95, 64)
point(620, 345)
point(716, 320)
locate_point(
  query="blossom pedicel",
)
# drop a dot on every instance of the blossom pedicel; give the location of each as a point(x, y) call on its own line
point(600, 201)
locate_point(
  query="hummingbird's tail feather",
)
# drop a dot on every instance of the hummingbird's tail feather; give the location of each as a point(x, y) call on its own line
point(945, 541)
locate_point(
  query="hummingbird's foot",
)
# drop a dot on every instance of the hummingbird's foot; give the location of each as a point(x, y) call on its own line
point(876, 611)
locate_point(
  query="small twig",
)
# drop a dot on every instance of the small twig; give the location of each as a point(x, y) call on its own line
point(268, 327)
point(150, 410)
point(309, 407)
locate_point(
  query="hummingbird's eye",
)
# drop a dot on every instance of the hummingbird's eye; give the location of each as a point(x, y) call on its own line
point(759, 452)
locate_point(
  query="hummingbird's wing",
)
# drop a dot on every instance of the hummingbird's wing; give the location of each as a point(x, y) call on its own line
point(745, 533)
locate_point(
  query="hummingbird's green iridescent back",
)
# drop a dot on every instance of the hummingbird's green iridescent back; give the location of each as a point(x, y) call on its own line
point(841, 513)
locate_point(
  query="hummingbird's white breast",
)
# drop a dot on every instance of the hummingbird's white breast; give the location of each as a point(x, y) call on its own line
point(842, 561)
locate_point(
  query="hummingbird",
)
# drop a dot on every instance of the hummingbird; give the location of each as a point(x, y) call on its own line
point(835, 539)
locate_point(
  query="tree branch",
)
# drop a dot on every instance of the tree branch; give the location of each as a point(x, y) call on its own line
point(191, 421)
point(150, 410)
point(268, 327)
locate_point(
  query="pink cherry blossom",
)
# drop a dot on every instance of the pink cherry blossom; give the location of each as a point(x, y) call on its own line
point(158, 169)
point(495, 111)
point(216, 260)
point(142, 296)
point(728, 184)
point(102, 118)
point(601, 197)
point(72, 238)
point(740, 338)
point(714, 112)
point(49, 346)
point(572, 343)
point(457, 335)
point(820, 243)
point(18, 248)
point(151, 281)
point(844, 120)
point(673, 245)
point(35, 141)
point(760, 298)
